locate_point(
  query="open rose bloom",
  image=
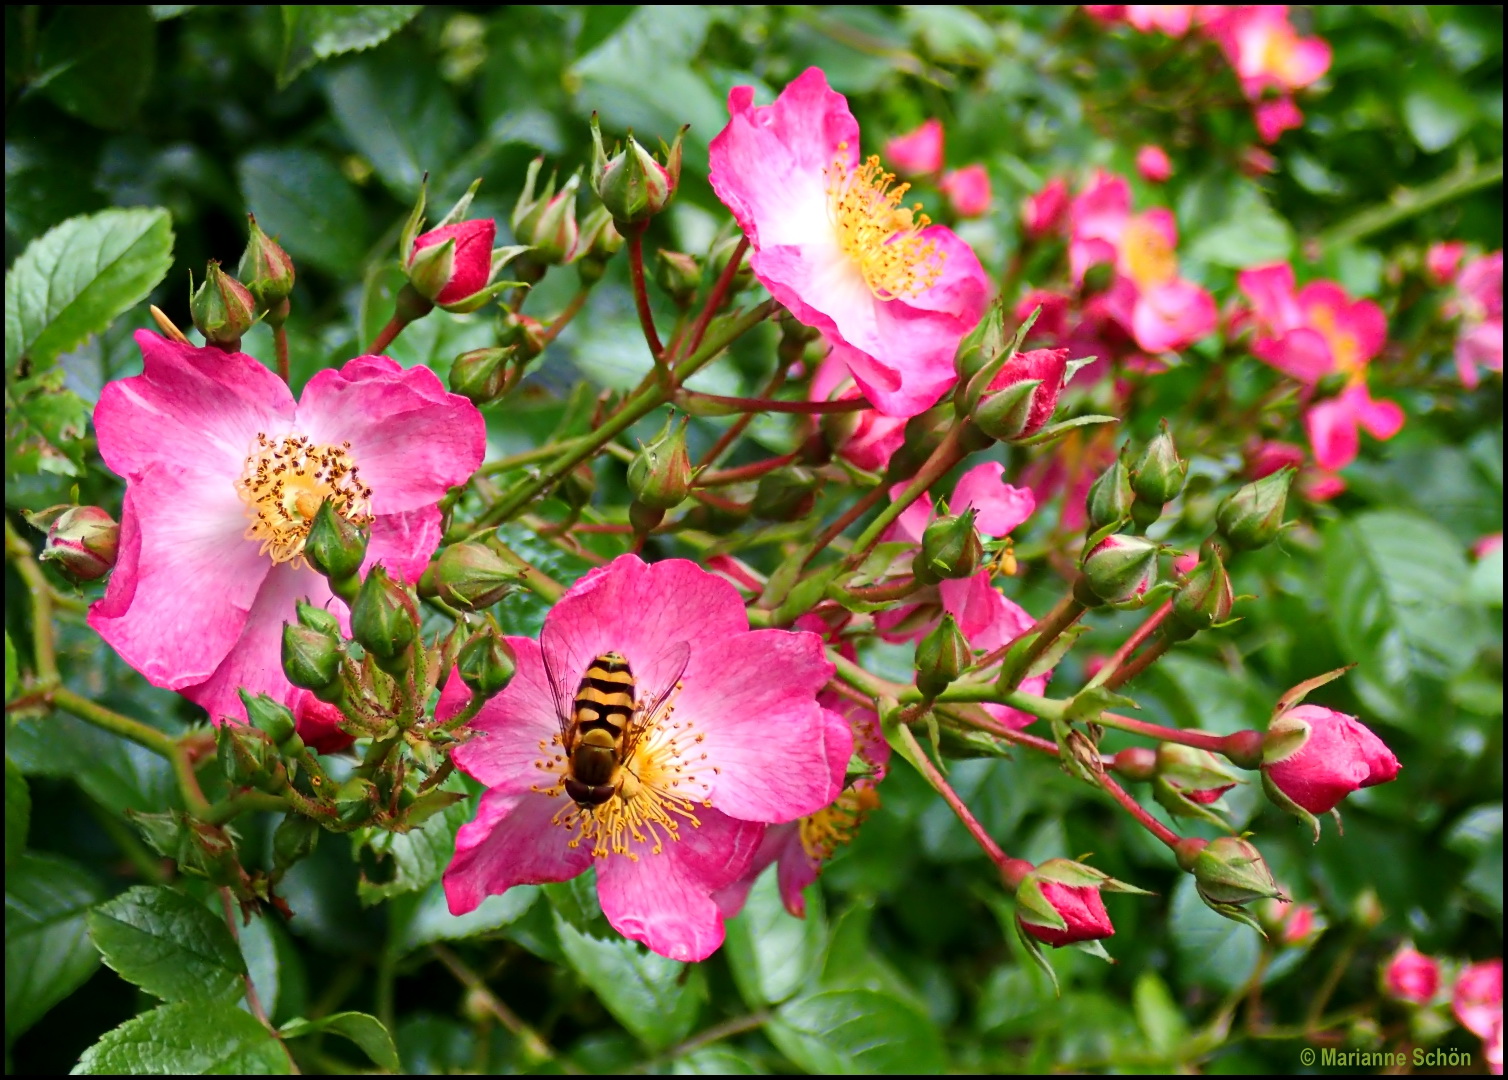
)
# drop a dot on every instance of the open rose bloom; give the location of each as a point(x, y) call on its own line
point(834, 242)
point(224, 473)
point(740, 742)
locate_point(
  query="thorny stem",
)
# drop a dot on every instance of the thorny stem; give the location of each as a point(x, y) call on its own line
point(1048, 629)
point(1109, 675)
point(533, 579)
point(1201, 740)
point(1142, 662)
point(848, 517)
point(763, 405)
point(874, 594)
point(533, 1043)
point(247, 801)
point(641, 301)
point(739, 473)
point(253, 999)
point(562, 320)
point(943, 458)
point(716, 1033)
point(735, 429)
point(529, 457)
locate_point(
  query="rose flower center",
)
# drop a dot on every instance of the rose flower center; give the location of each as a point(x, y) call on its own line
point(833, 826)
point(1149, 259)
point(881, 236)
point(283, 484)
point(1345, 349)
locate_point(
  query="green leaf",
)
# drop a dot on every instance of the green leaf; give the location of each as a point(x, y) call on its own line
point(1437, 110)
point(401, 116)
point(17, 810)
point(653, 997)
point(772, 953)
point(47, 951)
point(74, 279)
point(420, 919)
point(12, 669)
point(119, 775)
point(97, 62)
point(857, 1031)
point(315, 32)
point(1212, 950)
point(1394, 583)
point(307, 204)
point(1253, 233)
point(44, 427)
point(365, 1031)
point(1157, 1013)
point(1479, 837)
point(169, 945)
point(210, 1038)
point(407, 861)
point(715, 1061)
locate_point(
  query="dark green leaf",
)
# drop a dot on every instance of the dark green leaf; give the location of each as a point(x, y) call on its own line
point(303, 200)
point(315, 32)
point(78, 276)
point(654, 998)
point(772, 953)
point(1213, 951)
point(210, 1038)
point(17, 810)
point(857, 1031)
point(419, 919)
point(119, 775)
point(97, 62)
point(401, 116)
point(394, 863)
point(365, 1031)
point(47, 951)
point(1437, 110)
point(44, 427)
point(169, 945)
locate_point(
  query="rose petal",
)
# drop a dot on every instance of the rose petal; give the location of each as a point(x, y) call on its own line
point(512, 841)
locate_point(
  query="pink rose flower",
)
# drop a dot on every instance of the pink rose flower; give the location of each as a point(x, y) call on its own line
point(1334, 425)
point(471, 264)
point(739, 743)
point(1477, 1002)
point(919, 152)
point(1171, 19)
point(1410, 976)
point(1275, 116)
point(833, 242)
point(1479, 301)
point(867, 438)
point(1267, 52)
point(1153, 164)
point(1311, 332)
point(211, 546)
point(968, 190)
point(1338, 755)
point(1046, 211)
point(1443, 260)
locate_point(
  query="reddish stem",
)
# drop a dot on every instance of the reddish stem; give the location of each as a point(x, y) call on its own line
point(875, 594)
point(280, 343)
point(1203, 740)
point(1048, 629)
point(740, 473)
point(715, 297)
point(735, 429)
point(761, 405)
point(1138, 811)
point(641, 299)
point(600, 527)
point(717, 502)
point(386, 335)
point(852, 514)
point(970, 822)
point(564, 318)
point(1109, 675)
point(1149, 656)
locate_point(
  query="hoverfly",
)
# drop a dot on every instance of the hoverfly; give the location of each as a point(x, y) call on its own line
point(602, 721)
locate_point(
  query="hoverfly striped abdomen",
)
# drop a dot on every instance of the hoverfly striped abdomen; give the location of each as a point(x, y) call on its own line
point(600, 715)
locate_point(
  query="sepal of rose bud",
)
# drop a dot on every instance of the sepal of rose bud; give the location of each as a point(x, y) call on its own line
point(982, 344)
point(599, 241)
point(1158, 476)
point(335, 548)
point(249, 757)
point(524, 335)
point(1313, 757)
point(787, 494)
point(486, 662)
point(82, 542)
point(356, 801)
point(1204, 597)
point(266, 269)
point(1229, 873)
point(311, 659)
point(1252, 516)
point(317, 618)
point(1021, 395)
point(1121, 568)
point(482, 375)
point(1109, 499)
point(383, 620)
point(660, 473)
point(222, 308)
point(632, 184)
point(294, 840)
point(1196, 775)
point(472, 576)
point(551, 230)
point(679, 275)
point(1410, 976)
point(941, 656)
point(718, 257)
point(1004, 415)
point(950, 548)
point(1059, 902)
point(451, 264)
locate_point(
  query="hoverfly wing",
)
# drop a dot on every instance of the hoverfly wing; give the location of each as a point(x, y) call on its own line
point(668, 668)
point(552, 640)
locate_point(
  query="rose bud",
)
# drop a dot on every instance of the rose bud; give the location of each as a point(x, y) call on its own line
point(319, 724)
point(1109, 498)
point(1023, 395)
point(1291, 923)
point(1229, 873)
point(941, 656)
point(1204, 598)
point(472, 576)
point(950, 548)
point(1411, 977)
point(1121, 568)
point(336, 547)
point(1046, 211)
point(679, 275)
point(311, 660)
point(1058, 903)
point(1313, 757)
point(1477, 1002)
point(268, 273)
point(787, 494)
point(383, 620)
point(482, 375)
point(599, 242)
point(294, 839)
point(82, 542)
point(1251, 516)
point(1196, 775)
point(632, 184)
point(223, 309)
point(968, 190)
point(549, 224)
point(1153, 164)
point(453, 263)
point(918, 152)
point(486, 662)
point(660, 474)
point(1158, 477)
point(1443, 260)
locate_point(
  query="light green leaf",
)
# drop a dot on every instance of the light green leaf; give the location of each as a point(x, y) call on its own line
point(208, 1038)
point(1437, 110)
point(303, 200)
point(854, 1032)
point(47, 951)
point(12, 669)
point(74, 279)
point(169, 945)
point(772, 953)
point(17, 809)
point(420, 919)
point(400, 116)
point(1157, 1013)
point(45, 424)
point(411, 860)
point(97, 62)
point(715, 1061)
point(365, 1031)
point(654, 998)
point(315, 32)
point(1212, 950)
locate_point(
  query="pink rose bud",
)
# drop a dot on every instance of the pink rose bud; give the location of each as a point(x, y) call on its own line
point(82, 541)
point(1478, 1003)
point(1314, 757)
point(1058, 903)
point(1443, 260)
point(460, 265)
point(1046, 211)
point(1258, 162)
point(1289, 922)
point(318, 724)
point(1023, 395)
point(919, 152)
point(1410, 976)
point(631, 183)
point(1121, 568)
point(968, 190)
point(1153, 164)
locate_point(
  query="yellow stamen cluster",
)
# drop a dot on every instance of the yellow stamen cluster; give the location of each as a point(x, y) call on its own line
point(833, 826)
point(1149, 260)
point(660, 787)
point(283, 484)
point(877, 232)
point(1345, 349)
